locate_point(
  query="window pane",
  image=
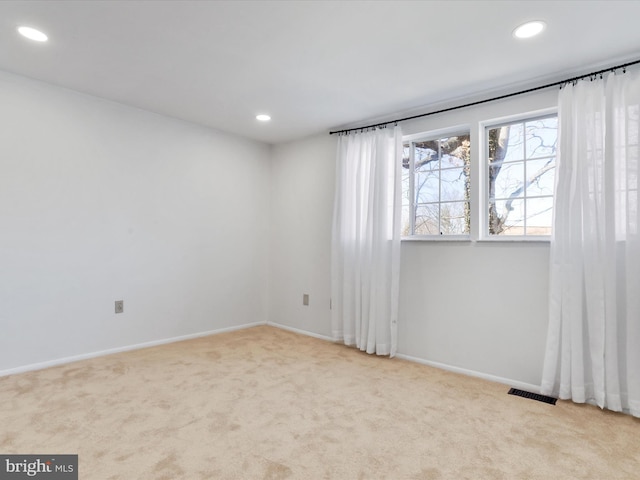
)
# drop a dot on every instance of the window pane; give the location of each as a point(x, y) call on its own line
point(541, 176)
point(455, 151)
point(509, 217)
point(495, 226)
point(515, 144)
point(454, 182)
point(506, 143)
point(427, 221)
point(427, 187)
point(426, 154)
point(510, 181)
point(539, 216)
point(541, 138)
point(454, 218)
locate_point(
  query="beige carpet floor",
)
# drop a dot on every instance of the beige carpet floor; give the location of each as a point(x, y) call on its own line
point(265, 403)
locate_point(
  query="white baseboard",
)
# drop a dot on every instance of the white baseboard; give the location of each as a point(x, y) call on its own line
point(153, 343)
point(302, 332)
point(529, 387)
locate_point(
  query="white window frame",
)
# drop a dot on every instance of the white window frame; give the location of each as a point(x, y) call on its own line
point(483, 213)
point(429, 136)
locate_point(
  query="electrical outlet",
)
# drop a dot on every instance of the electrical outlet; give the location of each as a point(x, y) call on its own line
point(119, 306)
point(305, 299)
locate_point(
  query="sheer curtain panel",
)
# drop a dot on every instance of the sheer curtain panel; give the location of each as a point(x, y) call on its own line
point(593, 344)
point(365, 253)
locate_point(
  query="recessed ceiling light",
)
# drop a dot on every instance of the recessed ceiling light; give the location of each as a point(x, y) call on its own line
point(529, 29)
point(33, 34)
point(263, 118)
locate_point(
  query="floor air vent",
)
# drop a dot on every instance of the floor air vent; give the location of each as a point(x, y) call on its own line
point(533, 396)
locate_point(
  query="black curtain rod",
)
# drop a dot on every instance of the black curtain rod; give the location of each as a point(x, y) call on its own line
point(479, 102)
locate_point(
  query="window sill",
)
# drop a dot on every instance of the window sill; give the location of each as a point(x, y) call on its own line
point(514, 240)
point(436, 238)
point(468, 239)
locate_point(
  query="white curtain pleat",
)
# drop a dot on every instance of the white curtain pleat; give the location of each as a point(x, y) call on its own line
point(365, 250)
point(593, 344)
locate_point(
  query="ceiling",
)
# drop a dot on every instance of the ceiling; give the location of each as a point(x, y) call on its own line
point(311, 65)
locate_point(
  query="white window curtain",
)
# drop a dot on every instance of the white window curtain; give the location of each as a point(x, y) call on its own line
point(593, 344)
point(365, 253)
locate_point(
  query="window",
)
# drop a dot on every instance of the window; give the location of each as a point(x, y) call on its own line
point(436, 186)
point(512, 193)
point(520, 176)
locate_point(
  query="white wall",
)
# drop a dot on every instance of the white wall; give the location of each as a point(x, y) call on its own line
point(475, 306)
point(302, 177)
point(101, 202)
